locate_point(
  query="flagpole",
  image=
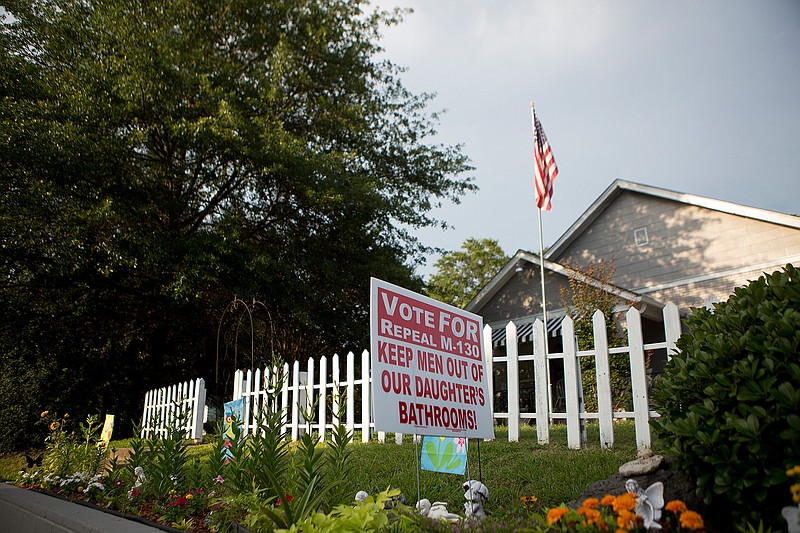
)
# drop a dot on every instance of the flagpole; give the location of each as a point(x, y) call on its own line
point(541, 272)
point(544, 299)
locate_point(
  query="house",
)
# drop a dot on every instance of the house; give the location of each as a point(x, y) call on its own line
point(665, 246)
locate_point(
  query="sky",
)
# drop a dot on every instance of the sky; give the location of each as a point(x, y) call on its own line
point(696, 97)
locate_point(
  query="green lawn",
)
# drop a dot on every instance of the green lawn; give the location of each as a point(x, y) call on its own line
point(552, 473)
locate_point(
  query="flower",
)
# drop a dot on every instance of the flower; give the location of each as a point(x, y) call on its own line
point(794, 471)
point(592, 516)
point(675, 506)
point(625, 518)
point(555, 514)
point(795, 489)
point(44, 414)
point(53, 426)
point(691, 520)
point(288, 498)
point(608, 499)
point(188, 496)
point(590, 503)
point(219, 479)
point(460, 443)
point(624, 502)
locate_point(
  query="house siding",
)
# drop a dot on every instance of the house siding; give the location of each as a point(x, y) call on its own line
point(704, 293)
point(684, 241)
point(521, 296)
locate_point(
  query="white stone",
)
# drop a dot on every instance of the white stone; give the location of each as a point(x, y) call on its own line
point(639, 467)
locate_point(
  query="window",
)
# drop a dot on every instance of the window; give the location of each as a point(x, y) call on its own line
point(640, 236)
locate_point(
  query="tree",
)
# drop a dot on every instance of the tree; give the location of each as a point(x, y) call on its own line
point(461, 274)
point(581, 300)
point(160, 159)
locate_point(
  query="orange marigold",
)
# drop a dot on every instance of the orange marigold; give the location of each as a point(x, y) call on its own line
point(608, 499)
point(592, 516)
point(675, 506)
point(625, 519)
point(691, 520)
point(625, 502)
point(591, 503)
point(555, 514)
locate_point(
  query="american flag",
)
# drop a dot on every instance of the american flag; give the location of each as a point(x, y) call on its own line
point(546, 169)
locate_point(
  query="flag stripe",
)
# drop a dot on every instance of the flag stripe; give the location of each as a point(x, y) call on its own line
point(544, 165)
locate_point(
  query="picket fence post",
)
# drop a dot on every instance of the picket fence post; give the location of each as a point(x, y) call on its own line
point(322, 398)
point(672, 327)
point(365, 397)
point(295, 405)
point(605, 413)
point(571, 383)
point(350, 395)
point(512, 377)
point(336, 391)
point(641, 408)
point(540, 374)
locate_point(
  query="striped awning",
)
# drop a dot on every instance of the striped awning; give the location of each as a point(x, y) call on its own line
point(525, 331)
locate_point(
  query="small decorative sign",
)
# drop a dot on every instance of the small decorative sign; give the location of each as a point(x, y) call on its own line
point(105, 435)
point(233, 410)
point(444, 454)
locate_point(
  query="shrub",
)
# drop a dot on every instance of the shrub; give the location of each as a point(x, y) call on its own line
point(730, 400)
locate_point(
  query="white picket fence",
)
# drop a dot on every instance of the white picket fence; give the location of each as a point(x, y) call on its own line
point(300, 391)
point(164, 406)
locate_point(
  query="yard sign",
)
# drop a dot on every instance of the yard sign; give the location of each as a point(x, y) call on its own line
point(428, 370)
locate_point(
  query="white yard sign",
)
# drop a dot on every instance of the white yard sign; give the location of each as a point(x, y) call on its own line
point(428, 369)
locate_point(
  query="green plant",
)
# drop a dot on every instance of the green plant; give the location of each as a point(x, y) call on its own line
point(730, 399)
point(581, 299)
point(167, 458)
point(68, 451)
point(369, 516)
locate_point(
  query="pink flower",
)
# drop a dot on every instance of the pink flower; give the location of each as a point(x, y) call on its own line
point(219, 479)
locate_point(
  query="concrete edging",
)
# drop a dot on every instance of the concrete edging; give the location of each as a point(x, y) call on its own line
point(33, 512)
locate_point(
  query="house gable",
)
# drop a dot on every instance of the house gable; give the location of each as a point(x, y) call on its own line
point(515, 293)
point(678, 247)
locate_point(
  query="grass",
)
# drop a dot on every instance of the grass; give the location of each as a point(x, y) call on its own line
point(553, 473)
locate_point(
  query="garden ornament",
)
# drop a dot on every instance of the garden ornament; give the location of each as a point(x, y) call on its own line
point(792, 516)
point(649, 502)
point(435, 510)
point(361, 496)
point(139, 471)
point(475, 493)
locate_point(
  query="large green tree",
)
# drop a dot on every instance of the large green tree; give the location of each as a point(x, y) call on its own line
point(461, 274)
point(160, 159)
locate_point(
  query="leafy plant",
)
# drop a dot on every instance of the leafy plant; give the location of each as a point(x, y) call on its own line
point(369, 516)
point(67, 451)
point(730, 400)
point(581, 299)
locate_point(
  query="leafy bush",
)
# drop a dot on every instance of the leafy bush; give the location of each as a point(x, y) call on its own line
point(730, 400)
